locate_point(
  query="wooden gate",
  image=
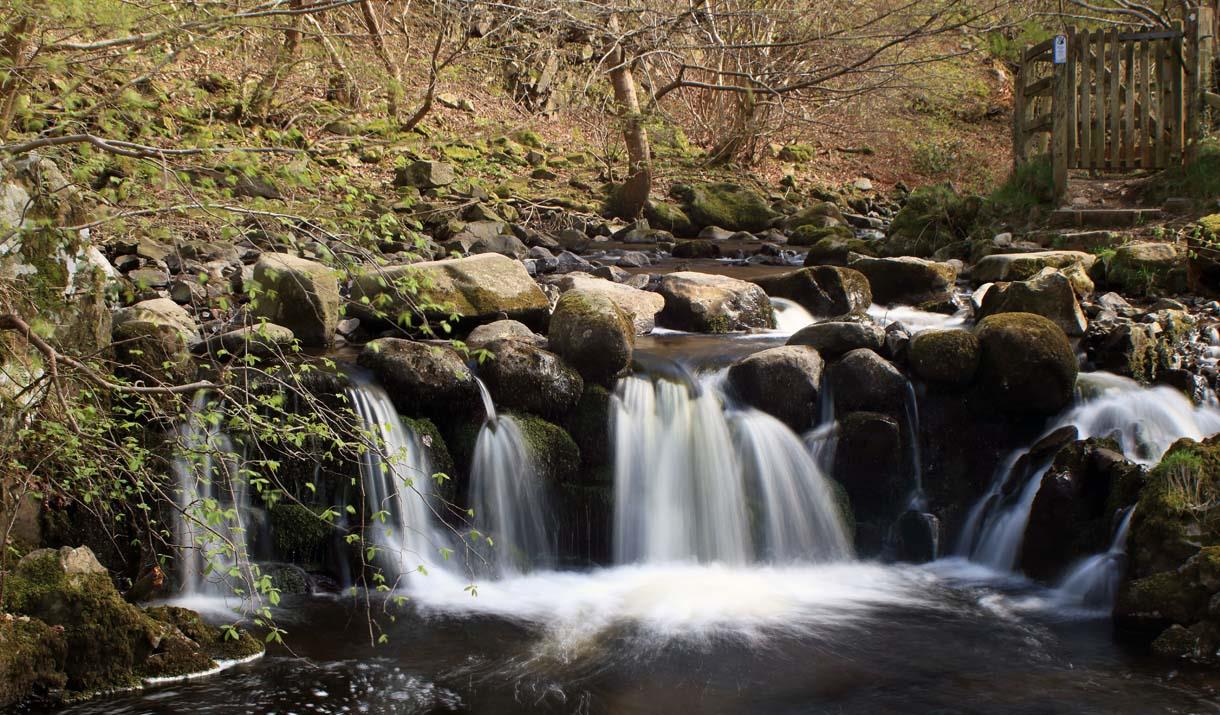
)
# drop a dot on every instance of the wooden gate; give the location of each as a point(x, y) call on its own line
point(1117, 100)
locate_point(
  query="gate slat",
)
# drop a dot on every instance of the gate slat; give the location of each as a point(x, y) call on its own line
point(1115, 76)
point(1147, 110)
point(1175, 67)
point(1068, 96)
point(1086, 103)
point(1164, 135)
point(1099, 102)
point(1129, 100)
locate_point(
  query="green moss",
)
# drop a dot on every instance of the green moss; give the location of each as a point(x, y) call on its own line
point(529, 138)
point(950, 356)
point(798, 153)
point(211, 638)
point(728, 206)
point(299, 533)
point(31, 658)
point(1029, 186)
point(1179, 507)
point(668, 217)
point(834, 250)
point(810, 235)
point(821, 214)
point(553, 450)
point(1199, 180)
point(932, 218)
point(438, 452)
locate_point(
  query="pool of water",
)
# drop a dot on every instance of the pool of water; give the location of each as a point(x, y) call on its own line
point(841, 638)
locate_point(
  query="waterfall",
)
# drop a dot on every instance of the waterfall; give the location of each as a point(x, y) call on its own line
point(216, 519)
point(511, 510)
point(790, 316)
point(685, 467)
point(1144, 421)
point(916, 501)
point(1093, 583)
point(396, 479)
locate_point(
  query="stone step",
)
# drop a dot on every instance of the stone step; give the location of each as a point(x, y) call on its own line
point(1104, 218)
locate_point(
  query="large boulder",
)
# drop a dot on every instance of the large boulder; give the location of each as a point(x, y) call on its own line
point(837, 338)
point(641, 306)
point(837, 251)
point(31, 657)
point(819, 214)
point(1146, 268)
point(706, 303)
point(153, 341)
point(826, 291)
point(525, 377)
point(1048, 294)
point(945, 356)
point(425, 175)
point(784, 382)
point(1026, 363)
point(1023, 266)
point(590, 331)
point(728, 206)
point(422, 378)
point(869, 463)
point(110, 643)
point(907, 280)
point(865, 381)
point(299, 294)
point(1178, 509)
point(477, 289)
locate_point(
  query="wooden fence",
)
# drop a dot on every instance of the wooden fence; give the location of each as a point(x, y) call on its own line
point(1117, 99)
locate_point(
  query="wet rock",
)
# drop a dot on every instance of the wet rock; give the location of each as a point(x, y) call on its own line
point(552, 450)
point(729, 206)
point(639, 305)
point(706, 303)
point(488, 333)
point(1048, 294)
point(1124, 348)
point(825, 291)
point(298, 294)
point(1023, 266)
point(477, 289)
point(835, 339)
point(865, 381)
point(1075, 511)
point(869, 463)
point(916, 537)
point(521, 376)
point(590, 331)
point(907, 280)
point(945, 356)
point(422, 378)
point(1026, 363)
point(784, 382)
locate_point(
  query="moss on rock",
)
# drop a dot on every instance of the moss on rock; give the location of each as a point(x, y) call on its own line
point(552, 449)
point(1026, 363)
point(946, 356)
point(1177, 511)
point(933, 218)
point(31, 658)
point(299, 533)
point(728, 206)
point(668, 217)
point(811, 235)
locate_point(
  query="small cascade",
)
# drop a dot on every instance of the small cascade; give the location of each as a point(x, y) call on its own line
point(686, 469)
point(790, 316)
point(216, 519)
point(509, 501)
point(916, 501)
point(396, 480)
point(1144, 421)
point(822, 440)
point(1093, 583)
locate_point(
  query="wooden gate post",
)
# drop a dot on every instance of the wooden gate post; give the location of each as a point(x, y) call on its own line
point(1063, 122)
point(1201, 46)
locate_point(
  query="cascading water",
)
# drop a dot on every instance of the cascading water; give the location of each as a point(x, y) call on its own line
point(685, 468)
point(1093, 583)
point(916, 501)
point(1144, 421)
point(215, 518)
point(399, 494)
point(509, 501)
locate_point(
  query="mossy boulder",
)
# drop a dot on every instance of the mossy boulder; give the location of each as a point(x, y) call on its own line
point(639, 305)
point(810, 235)
point(1026, 363)
point(553, 451)
point(592, 334)
point(669, 217)
point(907, 280)
point(933, 218)
point(836, 250)
point(728, 206)
point(1148, 268)
point(299, 294)
point(707, 303)
point(299, 533)
point(824, 291)
point(476, 289)
point(110, 643)
point(1178, 508)
point(1049, 294)
point(525, 377)
point(31, 658)
point(784, 382)
point(950, 357)
point(818, 215)
point(1023, 266)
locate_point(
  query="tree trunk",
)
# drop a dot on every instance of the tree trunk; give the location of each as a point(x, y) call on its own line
point(12, 48)
point(639, 163)
point(264, 92)
point(373, 25)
